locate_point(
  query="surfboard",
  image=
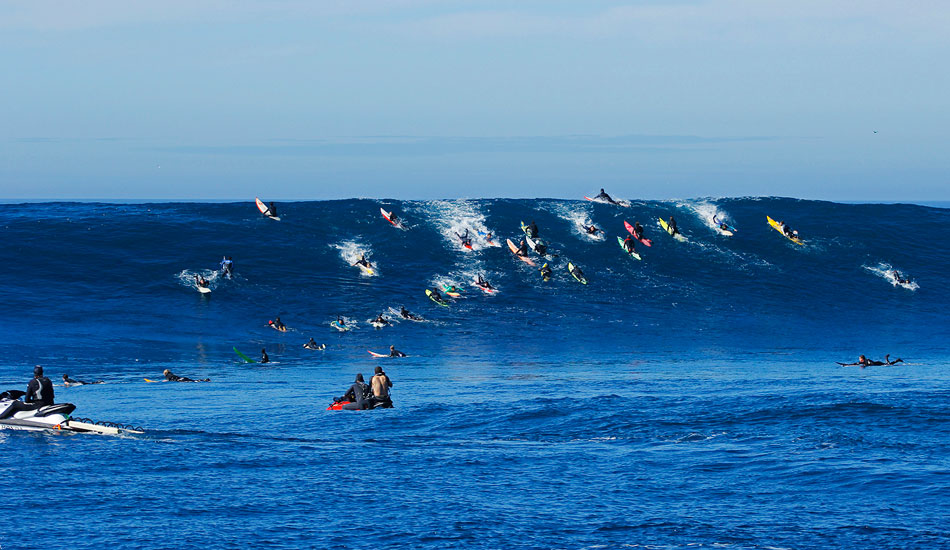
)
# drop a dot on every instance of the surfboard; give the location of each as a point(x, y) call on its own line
point(377, 355)
point(264, 209)
point(365, 270)
point(570, 269)
point(514, 250)
point(533, 245)
point(242, 356)
point(336, 324)
point(389, 218)
point(778, 227)
point(631, 254)
point(435, 299)
point(666, 228)
point(275, 327)
point(457, 293)
point(152, 381)
point(644, 240)
point(204, 290)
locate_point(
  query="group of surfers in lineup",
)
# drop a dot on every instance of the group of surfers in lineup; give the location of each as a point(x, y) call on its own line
point(361, 395)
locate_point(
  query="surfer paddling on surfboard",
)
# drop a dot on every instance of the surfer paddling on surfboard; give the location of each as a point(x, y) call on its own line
point(865, 362)
point(175, 378)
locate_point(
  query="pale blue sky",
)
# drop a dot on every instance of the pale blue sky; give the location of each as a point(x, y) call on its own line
point(425, 99)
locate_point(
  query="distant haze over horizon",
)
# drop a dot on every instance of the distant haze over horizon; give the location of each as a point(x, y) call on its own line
point(421, 99)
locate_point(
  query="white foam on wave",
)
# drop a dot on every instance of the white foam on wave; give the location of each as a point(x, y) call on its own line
point(707, 212)
point(351, 250)
point(453, 218)
point(578, 216)
point(886, 271)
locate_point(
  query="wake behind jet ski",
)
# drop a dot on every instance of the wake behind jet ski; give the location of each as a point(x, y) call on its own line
point(34, 417)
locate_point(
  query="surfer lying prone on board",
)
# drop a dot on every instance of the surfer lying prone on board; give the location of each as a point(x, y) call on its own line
point(175, 378)
point(67, 381)
point(201, 281)
point(592, 230)
point(406, 314)
point(362, 261)
point(865, 362)
point(393, 352)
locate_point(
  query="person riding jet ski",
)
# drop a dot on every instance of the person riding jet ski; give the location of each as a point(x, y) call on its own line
point(40, 389)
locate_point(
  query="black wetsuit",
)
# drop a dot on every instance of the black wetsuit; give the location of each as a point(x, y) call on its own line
point(628, 245)
point(264, 357)
point(638, 230)
point(546, 272)
point(358, 397)
point(672, 225)
point(272, 210)
point(605, 197)
point(39, 390)
point(171, 377)
point(532, 230)
point(523, 248)
point(466, 240)
point(540, 249)
point(396, 353)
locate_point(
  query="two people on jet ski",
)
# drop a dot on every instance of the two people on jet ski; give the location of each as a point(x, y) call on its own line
point(362, 396)
point(40, 388)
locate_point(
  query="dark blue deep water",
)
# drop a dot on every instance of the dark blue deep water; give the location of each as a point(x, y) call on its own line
point(690, 400)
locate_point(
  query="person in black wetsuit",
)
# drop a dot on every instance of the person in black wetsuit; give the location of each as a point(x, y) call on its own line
point(393, 352)
point(279, 325)
point(637, 230)
point(522, 248)
point(175, 378)
point(362, 261)
point(532, 230)
point(480, 281)
point(40, 388)
point(578, 273)
point(897, 277)
point(201, 281)
point(313, 345)
point(271, 210)
point(865, 362)
point(405, 314)
point(466, 240)
point(628, 245)
point(380, 320)
point(358, 395)
point(437, 295)
point(67, 381)
point(393, 218)
point(540, 248)
point(592, 230)
point(264, 357)
point(604, 196)
point(545, 272)
point(672, 225)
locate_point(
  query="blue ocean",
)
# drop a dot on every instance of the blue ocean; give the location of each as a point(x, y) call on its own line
point(690, 399)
